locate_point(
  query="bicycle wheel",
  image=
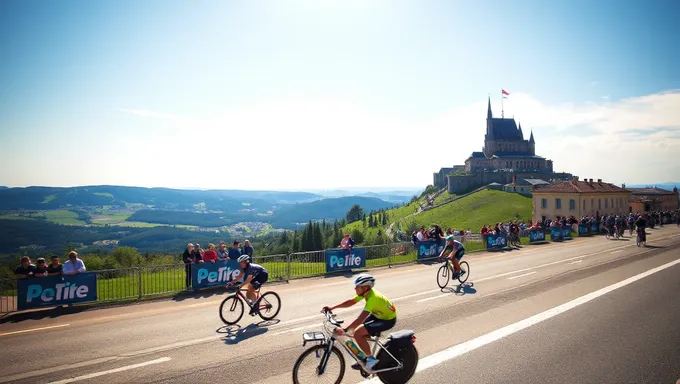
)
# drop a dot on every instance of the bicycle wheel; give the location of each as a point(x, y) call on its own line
point(465, 267)
point(269, 305)
point(231, 308)
point(407, 356)
point(309, 372)
point(443, 276)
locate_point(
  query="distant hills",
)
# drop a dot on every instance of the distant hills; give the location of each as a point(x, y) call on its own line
point(668, 186)
point(203, 208)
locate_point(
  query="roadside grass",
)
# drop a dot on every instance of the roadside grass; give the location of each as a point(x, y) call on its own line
point(444, 197)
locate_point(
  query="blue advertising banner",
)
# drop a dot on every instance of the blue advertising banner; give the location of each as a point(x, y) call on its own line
point(555, 234)
point(430, 248)
point(583, 230)
point(496, 241)
point(536, 235)
point(213, 274)
point(343, 260)
point(594, 228)
point(566, 232)
point(56, 290)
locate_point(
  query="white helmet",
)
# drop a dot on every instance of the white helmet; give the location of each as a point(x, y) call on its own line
point(364, 280)
point(243, 258)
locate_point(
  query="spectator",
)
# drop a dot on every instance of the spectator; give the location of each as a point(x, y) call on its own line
point(210, 256)
point(55, 268)
point(189, 258)
point(222, 252)
point(248, 250)
point(41, 268)
point(421, 234)
point(73, 265)
point(345, 243)
point(198, 253)
point(235, 251)
point(25, 269)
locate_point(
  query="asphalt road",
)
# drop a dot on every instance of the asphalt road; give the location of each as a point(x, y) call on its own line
point(625, 333)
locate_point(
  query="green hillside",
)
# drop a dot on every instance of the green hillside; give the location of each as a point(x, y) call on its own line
point(484, 207)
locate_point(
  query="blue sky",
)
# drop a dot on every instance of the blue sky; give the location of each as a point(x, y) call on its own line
point(328, 93)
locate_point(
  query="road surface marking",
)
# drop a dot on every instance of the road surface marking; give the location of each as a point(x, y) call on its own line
point(110, 371)
point(34, 329)
point(434, 297)
point(460, 349)
point(52, 370)
point(517, 277)
point(611, 253)
point(576, 262)
point(319, 325)
point(205, 303)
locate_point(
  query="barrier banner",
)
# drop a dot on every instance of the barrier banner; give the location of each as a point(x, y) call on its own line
point(566, 232)
point(496, 241)
point(56, 290)
point(555, 234)
point(344, 260)
point(594, 228)
point(536, 235)
point(583, 230)
point(430, 248)
point(212, 274)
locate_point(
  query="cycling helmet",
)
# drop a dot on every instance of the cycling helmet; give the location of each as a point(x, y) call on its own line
point(243, 258)
point(364, 280)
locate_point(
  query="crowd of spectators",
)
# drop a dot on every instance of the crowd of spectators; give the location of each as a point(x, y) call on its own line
point(27, 269)
point(194, 254)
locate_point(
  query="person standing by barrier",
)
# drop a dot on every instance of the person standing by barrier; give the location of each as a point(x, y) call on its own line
point(26, 269)
point(54, 269)
point(248, 250)
point(235, 251)
point(189, 258)
point(73, 265)
point(210, 256)
point(222, 252)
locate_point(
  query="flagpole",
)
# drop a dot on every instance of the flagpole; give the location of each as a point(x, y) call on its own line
point(502, 108)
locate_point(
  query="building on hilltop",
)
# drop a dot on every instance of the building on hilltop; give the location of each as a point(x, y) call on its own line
point(524, 186)
point(506, 154)
point(579, 198)
point(652, 199)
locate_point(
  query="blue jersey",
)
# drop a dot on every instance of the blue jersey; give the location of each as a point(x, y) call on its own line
point(253, 270)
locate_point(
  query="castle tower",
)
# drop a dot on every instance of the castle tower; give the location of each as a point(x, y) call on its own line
point(532, 143)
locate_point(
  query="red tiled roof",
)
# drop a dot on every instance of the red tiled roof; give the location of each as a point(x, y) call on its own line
point(650, 191)
point(580, 187)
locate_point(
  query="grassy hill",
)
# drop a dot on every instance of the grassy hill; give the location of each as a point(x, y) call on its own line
point(473, 211)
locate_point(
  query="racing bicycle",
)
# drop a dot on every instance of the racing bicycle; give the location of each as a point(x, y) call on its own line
point(446, 271)
point(398, 356)
point(267, 306)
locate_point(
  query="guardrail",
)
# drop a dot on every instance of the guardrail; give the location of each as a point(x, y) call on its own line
point(157, 280)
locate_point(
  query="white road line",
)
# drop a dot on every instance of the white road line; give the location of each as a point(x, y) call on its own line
point(611, 253)
point(34, 329)
point(110, 371)
point(460, 349)
point(319, 325)
point(576, 262)
point(517, 277)
point(433, 297)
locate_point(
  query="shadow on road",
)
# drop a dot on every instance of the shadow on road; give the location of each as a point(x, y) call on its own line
point(41, 314)
point(234, 334)
point(197, 294)
point(460, 289)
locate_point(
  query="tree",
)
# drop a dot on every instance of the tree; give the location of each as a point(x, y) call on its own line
point(358, 236)
point(355, 213)
point(370, 220)
point(127, 257)
point(318, 238)
point(385, 218)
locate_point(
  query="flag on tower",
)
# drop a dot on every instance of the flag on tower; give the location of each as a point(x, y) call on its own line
point(505, 93)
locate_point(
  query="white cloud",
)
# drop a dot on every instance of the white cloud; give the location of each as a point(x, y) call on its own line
point(594, 83)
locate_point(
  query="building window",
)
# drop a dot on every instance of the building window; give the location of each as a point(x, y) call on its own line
point(599, 203)
point(584, 205)
point(544, 203)
point(606, 203)
point(558, 203)
point(592, 203)
point(572, 204)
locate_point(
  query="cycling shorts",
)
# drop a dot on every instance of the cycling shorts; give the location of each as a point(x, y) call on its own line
point(374, 325)
point(459, 255)
point(259, 279)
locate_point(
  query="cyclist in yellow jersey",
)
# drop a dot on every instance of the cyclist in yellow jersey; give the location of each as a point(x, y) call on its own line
point(379, 315)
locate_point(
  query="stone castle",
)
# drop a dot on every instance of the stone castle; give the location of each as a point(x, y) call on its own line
point(506, 156)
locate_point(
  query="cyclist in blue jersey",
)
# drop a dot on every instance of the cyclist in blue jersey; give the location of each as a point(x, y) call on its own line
point(255, 276)
point(457, 252)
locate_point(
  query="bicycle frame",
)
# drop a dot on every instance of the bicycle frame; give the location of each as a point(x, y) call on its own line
point(329, 339)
